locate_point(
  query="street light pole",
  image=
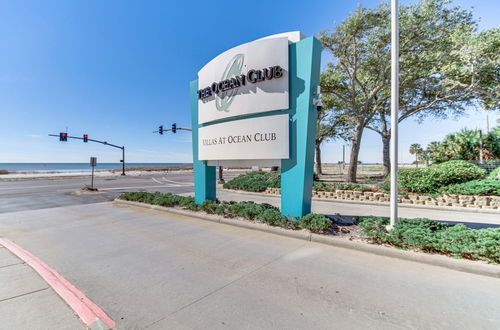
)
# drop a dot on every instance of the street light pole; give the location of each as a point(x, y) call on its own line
point(394, 110)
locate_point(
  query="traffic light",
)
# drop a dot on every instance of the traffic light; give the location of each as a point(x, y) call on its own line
point(174, 128)
point(63, 137)
point(85, 138)
point(160, 129)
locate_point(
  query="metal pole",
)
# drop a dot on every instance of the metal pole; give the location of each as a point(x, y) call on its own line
point(480, 146)
point(123, 160)
point(394, 110)
point(343, 156)
point(92, 180)
point(221, 178)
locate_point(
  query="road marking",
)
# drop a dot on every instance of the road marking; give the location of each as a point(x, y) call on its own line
point(143, 187)
point(85, 308)
point(157, 181)
point(174, 182)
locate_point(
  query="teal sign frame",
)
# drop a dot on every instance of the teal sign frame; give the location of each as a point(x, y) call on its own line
point(297, 171)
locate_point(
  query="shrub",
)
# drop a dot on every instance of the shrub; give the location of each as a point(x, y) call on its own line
point(324, 186)
point(209, 206)
point(272, 217)
point(485, 187)
point(315, 222)
point(495, 174)
point(255, 181)
point(430, 179)
point(432, 236)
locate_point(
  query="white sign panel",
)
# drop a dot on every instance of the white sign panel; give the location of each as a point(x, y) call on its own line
point(250, 78)
point(254, 138)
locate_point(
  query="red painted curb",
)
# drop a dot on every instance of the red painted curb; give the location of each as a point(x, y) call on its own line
point(86, 309)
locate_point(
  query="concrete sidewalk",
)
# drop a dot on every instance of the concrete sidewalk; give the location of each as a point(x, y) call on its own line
point(349, 209)
point(27, 301)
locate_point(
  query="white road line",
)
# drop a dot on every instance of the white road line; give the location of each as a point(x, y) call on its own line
point(174, 182)
point(136, 187)
point(157, 181)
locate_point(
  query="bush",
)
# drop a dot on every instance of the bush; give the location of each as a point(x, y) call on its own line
point(431, 236)
point(485, 187)
point(255, 181)
point(249, 210)
point(315, 222)
point(494, 175)
point(324, 186)
point(272, 217)
point(430, 179)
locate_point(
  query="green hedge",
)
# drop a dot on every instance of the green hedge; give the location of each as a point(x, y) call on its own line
point(431, 179)
point(255, 181)
point(265, 213)
point(332, 186)
point(259, 181)
point(430, 236)
point(494, 174)
point(485, 187)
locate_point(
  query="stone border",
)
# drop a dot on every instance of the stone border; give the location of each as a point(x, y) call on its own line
point(468, 266)
point(413, 206)
point(446, 202)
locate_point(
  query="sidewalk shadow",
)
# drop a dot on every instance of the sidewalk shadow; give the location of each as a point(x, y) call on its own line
point(348, 220)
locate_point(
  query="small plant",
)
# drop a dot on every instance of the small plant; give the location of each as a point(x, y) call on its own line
point(272, 217)
point(486, 187)
point(430, 179)
point(315, 222)
point(435, 237)
point(495, 174)
point(255, 181)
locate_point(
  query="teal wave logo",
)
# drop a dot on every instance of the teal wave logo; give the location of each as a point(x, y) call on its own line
point(233, 69)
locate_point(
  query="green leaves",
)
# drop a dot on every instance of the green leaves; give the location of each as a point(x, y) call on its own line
point(430, 179)
point(435, 237)
point(488, 187)
point(265, 213)
point(255, 181)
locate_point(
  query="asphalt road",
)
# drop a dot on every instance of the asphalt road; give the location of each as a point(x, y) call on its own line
point(152, 270)
point(25, 195)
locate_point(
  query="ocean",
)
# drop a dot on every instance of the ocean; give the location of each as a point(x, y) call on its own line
point(77, 167)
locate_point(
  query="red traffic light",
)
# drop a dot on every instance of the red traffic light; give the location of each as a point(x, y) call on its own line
point(63, 136)
point(85, 138)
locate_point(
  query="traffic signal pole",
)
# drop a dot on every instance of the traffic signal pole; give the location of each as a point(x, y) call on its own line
point(101, 142)
point(174, 129)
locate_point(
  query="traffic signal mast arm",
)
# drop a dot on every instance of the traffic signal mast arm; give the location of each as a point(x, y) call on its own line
point(86, 139)
point(97, 141)
point(169, 129)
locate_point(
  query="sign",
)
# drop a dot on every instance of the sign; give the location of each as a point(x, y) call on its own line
point(254, 138)
point(230, 105)
point(247, 79)
point(93, 161)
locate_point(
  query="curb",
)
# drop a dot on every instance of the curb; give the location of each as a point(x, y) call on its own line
point(467, 266)
point(410, 206)
point(88, 312)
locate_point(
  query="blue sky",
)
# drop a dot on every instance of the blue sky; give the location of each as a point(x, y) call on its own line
point(117, 69)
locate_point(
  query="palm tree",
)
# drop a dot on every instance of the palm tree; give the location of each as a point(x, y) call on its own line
point(416, 149)
point(436, 152)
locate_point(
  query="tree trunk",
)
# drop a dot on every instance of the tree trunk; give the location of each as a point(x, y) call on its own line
point(353, 159)
point(318, 169)
point(386, 149)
